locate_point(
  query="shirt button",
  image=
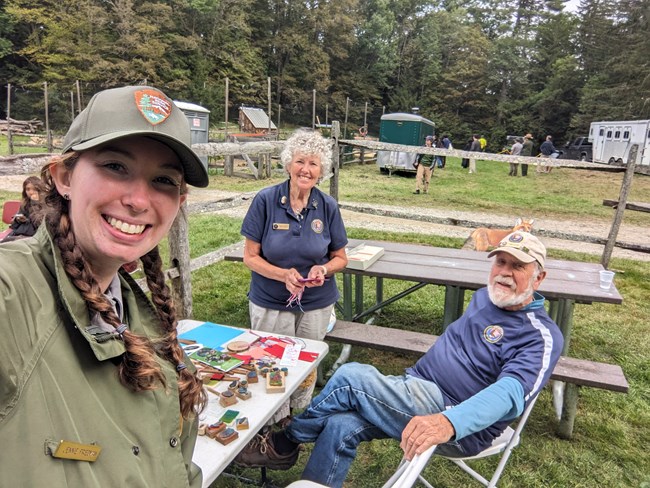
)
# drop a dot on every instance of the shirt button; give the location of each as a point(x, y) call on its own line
point(135, 450)
point(173, 441)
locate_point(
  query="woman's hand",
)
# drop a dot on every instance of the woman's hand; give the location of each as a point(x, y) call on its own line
point(292, 281)
point(316, 276)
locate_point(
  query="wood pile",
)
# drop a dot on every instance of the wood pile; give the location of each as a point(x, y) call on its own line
point(21, 126)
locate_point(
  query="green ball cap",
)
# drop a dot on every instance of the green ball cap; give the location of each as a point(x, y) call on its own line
point(136, 110)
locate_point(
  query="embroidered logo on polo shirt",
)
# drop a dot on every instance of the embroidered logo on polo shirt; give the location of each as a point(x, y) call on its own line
point(153, 105)
point(493, 333)
point(317, 226)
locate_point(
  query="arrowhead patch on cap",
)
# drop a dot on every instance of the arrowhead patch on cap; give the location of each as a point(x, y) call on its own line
point(153, 105)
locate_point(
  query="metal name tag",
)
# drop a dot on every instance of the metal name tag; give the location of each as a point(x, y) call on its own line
point(76, 451)
point(280, 226)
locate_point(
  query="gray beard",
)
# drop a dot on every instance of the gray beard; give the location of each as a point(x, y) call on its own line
point(511, 300)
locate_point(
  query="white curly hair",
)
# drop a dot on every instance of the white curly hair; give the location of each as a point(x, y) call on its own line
point(309, 142)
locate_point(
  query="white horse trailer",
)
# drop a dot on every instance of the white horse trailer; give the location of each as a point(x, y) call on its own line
point(612, 141)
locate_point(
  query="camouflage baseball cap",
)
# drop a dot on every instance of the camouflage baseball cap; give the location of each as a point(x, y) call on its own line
point(524, 246)
point(136, 110)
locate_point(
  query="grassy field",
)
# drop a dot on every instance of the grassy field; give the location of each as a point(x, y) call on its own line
point(4, 145)
point(612, 431)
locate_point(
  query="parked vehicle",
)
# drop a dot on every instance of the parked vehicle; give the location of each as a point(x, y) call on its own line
point(580, 148)
point(612, 141)
point(402, 128)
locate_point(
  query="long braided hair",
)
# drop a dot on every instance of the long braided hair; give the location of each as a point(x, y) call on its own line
point(138, 370)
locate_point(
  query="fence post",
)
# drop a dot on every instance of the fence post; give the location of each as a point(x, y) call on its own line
point(268, 156)
point(620, 208)
point(313, 108)
point(10, 140)
point(179, 256)
point(334, 180)
point(47, 118)
point(78, 97)
point(345, 124)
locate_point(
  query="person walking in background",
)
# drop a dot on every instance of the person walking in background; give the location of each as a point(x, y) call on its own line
point(96, 390)
point(526, 150)
point(549, 151)
point(515, 151)
point(467, 147)
point(30, 213)
point(474, 147)
point(483, 143)
point(446, 144)
point(425, 166)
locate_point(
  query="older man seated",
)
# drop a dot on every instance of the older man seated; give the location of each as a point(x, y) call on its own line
point(462, 394)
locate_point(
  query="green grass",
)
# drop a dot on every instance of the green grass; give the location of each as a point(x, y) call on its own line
point(4, 146)
point(612, 430)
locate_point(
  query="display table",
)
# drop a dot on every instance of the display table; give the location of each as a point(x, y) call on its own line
point(210, 455)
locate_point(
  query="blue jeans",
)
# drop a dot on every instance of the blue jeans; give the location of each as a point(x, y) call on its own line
point(360, 404)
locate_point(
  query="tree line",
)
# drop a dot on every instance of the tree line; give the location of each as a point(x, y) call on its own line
point(495, 67)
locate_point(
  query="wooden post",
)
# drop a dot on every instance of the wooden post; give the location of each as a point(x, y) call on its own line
point(622, 202)
point(226, 113)
point(78, 97)
point(228, 161)
point(313, 108)
point(268, 156)
point(278, 124)
point(365, 117)
point(334, 180)
point(326, 112)
point(179, 256)
point(10, 140)
point(345, 123)
point(47, 119)
point(72, 105)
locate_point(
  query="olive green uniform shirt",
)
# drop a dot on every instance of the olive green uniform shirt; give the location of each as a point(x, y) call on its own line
point(58, 382)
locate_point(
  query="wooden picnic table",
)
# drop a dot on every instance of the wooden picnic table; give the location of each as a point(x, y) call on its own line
point(566, 283)
point(458, 270)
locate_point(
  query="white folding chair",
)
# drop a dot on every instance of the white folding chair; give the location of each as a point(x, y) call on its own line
point(408, 472)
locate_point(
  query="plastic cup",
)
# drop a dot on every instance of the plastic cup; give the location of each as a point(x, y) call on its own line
point(606, 278)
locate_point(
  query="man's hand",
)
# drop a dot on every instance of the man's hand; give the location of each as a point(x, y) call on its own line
point(424, 431)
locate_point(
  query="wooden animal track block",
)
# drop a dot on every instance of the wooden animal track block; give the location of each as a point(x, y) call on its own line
point(227, 436)
point(252, 377)
point(243, 393)
point(213, 430)
point(242, 423)
point(227, 398)
point(275, 382)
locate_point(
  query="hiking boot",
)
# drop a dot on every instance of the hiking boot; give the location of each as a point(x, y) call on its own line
point(260, 453)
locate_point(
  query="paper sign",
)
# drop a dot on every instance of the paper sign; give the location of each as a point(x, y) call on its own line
point(290, 356)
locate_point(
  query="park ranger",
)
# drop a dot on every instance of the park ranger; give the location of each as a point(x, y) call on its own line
point(94, 388)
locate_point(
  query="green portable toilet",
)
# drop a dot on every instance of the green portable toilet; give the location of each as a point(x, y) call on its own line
point(402, 128)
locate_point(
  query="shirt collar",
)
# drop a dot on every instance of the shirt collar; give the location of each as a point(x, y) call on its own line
point(538, 302)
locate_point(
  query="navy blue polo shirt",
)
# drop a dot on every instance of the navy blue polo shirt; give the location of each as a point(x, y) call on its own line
point(290, 242)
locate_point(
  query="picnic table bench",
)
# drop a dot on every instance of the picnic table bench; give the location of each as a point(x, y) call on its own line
point(574, 372)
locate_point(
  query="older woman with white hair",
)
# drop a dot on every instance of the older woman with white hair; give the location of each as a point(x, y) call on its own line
point(295, 242)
